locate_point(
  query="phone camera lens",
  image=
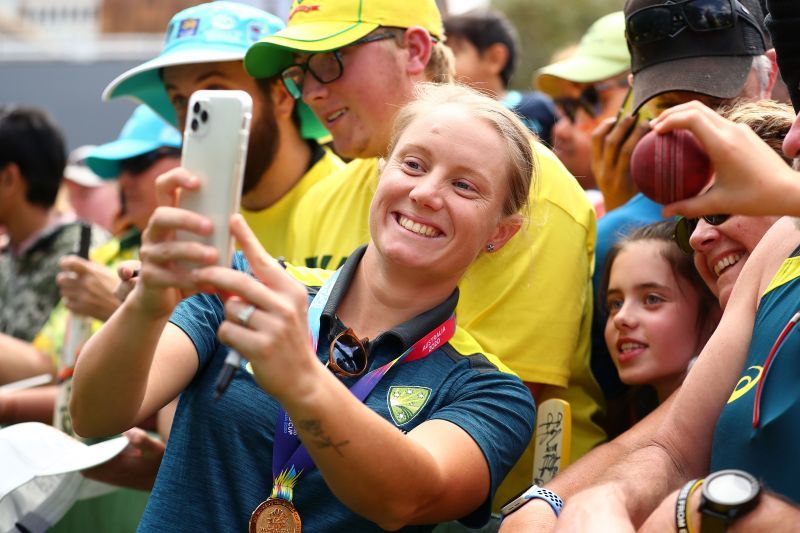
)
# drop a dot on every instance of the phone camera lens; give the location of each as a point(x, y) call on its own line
point(195, 124)
point(196, 107)
point(204, 116)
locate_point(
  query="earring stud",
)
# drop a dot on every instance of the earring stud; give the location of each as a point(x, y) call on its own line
point(490, 247)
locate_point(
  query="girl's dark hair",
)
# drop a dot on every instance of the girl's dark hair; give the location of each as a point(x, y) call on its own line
point(682, 267)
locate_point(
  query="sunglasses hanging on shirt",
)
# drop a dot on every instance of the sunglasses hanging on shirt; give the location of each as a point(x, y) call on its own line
point(348, 354)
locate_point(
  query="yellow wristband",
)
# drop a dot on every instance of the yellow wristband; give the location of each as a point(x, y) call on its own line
point(689, 503)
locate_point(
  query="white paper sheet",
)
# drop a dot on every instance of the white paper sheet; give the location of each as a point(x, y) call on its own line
point(40, 473)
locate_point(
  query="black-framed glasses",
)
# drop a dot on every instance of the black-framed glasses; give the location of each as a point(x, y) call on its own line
point(653, 23)
point(684, 228)
point(140, 163)
point(348, 354)
point(326, 67)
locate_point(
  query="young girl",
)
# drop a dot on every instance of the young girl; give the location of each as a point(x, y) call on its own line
point(660, 312)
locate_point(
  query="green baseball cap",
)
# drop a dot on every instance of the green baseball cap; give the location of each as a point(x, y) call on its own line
point(206, 33)
point(601, 54)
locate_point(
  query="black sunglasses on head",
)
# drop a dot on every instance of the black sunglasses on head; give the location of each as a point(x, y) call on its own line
point(653, 23)
point(684, 228)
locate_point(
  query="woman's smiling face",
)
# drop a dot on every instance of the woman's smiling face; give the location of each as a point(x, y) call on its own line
point(441, 194)
point(721, 251)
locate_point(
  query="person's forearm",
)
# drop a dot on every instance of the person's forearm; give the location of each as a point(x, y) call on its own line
point(29, 405)
point(20, 360)
point(105, 309)
point(136, 467)
point(592, 467)
point(588, 470)
point(644, 478)
point(630, 493)
point(654, 467)
point(114, 364)
point(372, 467)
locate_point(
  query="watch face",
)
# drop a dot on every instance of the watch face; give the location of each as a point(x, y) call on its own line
point(730, 488)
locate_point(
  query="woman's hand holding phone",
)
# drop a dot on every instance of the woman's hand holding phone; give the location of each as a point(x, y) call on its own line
point(191, 226)
point(164, 278)
point(274, 336)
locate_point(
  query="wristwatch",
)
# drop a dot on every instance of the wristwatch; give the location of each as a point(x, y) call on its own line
point(726, 495)
point(535, 492)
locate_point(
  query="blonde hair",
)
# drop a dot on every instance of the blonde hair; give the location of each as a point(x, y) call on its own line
point(770, 120)
point(516, 137)
point(441, 67)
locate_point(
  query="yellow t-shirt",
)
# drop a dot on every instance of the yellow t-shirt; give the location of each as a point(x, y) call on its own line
point(530, 303)
point(271, 225)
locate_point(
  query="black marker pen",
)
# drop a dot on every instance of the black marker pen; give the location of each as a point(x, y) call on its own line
point(229, 368)
point(232, 362)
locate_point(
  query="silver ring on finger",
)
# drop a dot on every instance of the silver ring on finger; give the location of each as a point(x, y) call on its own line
point(245, 314)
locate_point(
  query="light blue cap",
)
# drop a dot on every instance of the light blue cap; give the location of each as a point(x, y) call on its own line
point(142, 133)
point(206, 33)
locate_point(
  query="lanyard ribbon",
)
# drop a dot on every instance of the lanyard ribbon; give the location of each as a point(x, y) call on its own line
point(290, 458)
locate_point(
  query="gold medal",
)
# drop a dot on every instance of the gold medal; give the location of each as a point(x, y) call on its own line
point(275, 515)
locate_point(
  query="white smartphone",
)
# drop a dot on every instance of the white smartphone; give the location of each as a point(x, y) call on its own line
point(215, 150)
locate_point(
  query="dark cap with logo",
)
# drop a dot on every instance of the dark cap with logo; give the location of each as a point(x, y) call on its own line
point(701, 46)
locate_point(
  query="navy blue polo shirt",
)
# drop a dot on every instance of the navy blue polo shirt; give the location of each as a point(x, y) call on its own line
point(217, 466)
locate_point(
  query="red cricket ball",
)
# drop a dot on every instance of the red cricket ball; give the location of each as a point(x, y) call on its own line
point(670, 167)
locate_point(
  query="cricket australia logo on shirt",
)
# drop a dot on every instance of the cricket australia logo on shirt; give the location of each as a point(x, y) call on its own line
point(406, 402)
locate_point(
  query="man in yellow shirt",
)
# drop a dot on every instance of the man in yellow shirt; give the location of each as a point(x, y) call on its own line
point(203, 49)
point(355, 64)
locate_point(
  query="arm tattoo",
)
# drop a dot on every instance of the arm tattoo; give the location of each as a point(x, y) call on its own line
point(319, 437)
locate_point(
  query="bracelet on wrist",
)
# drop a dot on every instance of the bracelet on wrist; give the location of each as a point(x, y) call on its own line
point(682, 509)
point(534, 493)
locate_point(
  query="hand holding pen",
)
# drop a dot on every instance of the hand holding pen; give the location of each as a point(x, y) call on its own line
point(234, 359)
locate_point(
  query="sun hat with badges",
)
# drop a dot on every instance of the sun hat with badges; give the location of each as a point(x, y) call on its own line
point(206, 33)
point(143, 133)
point(325, 25)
